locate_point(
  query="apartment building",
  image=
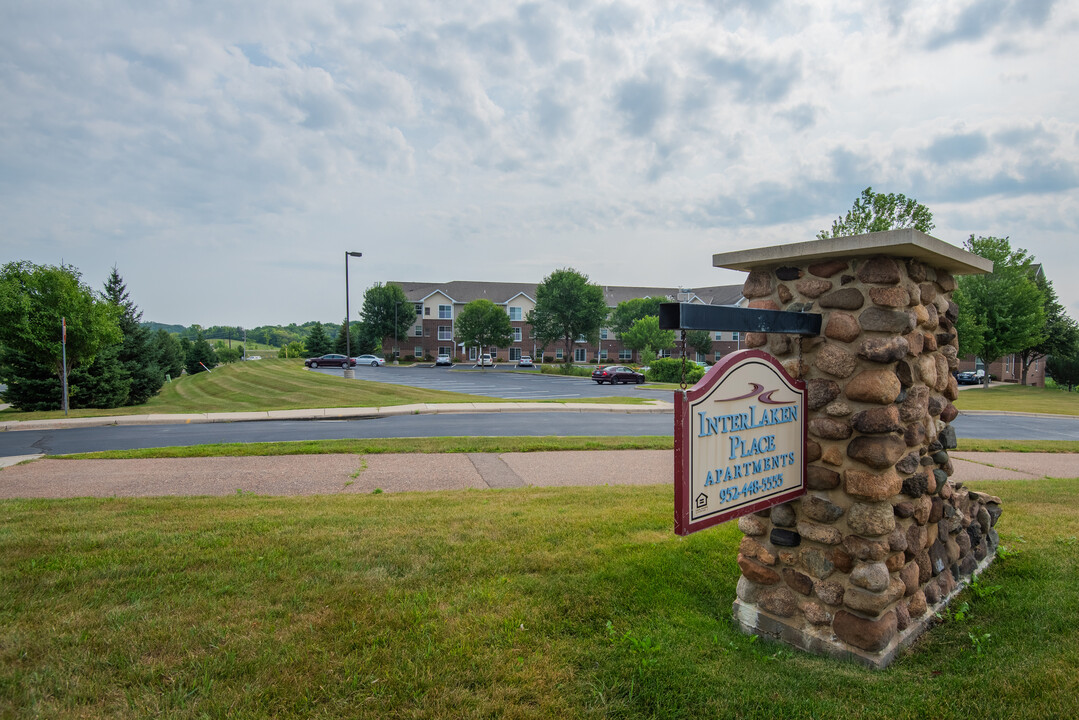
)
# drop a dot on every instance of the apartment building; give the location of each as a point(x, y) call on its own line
point(437, 305)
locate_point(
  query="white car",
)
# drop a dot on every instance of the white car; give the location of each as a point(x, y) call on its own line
point(485, 361)
point(372, 360)
point(443, 360)
point(525, 361)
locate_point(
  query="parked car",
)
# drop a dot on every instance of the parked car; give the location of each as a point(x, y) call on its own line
point(525, 361)
point(485, 361)
point(372, 360)
point(331, 360)
point(970, 377)
point(616, 374)
point(443, 360)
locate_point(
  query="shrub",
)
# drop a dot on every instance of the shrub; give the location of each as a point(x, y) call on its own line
point(548, 359)
point(669, 370)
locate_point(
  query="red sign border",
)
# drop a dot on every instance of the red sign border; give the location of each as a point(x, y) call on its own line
point(683, 427)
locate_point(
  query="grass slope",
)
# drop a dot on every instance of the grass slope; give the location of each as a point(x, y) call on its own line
point(531, 603)
point(266, 385)
point(1019, 398)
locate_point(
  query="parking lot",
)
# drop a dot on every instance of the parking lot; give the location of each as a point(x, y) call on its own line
point(499, 382)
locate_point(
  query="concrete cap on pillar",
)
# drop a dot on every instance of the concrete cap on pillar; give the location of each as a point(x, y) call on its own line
point(906, 243)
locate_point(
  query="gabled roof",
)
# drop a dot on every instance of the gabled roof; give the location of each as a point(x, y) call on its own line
point(465, 291)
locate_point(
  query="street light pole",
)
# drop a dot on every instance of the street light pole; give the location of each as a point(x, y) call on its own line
point(396, 340)
point(349, 372)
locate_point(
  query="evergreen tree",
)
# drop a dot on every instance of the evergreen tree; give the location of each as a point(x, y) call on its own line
point(104, 383)
point(136, 353)
point(317, 343)
point(169, 352)
point(31, 385)
point(200, 356)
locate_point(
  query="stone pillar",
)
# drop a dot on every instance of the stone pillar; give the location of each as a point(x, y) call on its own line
point(883, 538)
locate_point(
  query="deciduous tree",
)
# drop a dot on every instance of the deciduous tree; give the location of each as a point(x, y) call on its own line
point(877, 212)
point(567, 307)
point(646, 333)
point(33, 299)
point(483, 324)
point(628, 312)
point(1060, 334)
point(387, 312)
point(1002, 312)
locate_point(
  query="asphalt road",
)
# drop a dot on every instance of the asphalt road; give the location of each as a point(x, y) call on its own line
point(530, 385)
point(75, 440)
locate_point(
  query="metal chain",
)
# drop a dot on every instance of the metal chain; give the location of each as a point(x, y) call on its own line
point(683, 383)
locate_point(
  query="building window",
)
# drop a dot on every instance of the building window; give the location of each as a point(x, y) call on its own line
point(419, 308)
point(602, 354)
point(663, 353)
point(580, 354)
point(445, 332)
point(445, 312)
point(603, 333)
point(734, 337)
point(515, 354)
point(445, 350)
point(426, 310)
point(516, 334)
point(473, 353)
point(625, 355)
point(418, 331)
point(719, 336)
point(718, 355)
point(515, 314)
point(417, 351)
point(558, 354)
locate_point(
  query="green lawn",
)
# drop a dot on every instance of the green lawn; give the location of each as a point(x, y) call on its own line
point(530, 603)
point(1019, 398)
point(270, 384)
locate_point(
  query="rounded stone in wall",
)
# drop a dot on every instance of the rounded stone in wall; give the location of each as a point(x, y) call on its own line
point(828, 268)
point(843, 327)
point(813, 287)
point(893, 297)
point(884, 349)
point(758, 284)
point(873, 486)
point(835, 361)
point(879, 270)
point(846, 299)
point(875, 319)
point(880, 386)
point(871, 519)
point(869, 635)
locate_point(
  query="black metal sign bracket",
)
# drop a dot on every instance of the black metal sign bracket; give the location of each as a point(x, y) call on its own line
point(691, 316)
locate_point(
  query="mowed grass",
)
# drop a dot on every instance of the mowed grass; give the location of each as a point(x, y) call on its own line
point(261, 385)
point(1019, 398)
point(530, 603)
point(374, 446)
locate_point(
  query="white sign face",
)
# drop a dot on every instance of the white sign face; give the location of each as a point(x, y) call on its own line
point(739, 442)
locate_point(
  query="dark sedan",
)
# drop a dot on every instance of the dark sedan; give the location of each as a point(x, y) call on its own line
point(617, 374)
point(969, 378)
point(331, 360)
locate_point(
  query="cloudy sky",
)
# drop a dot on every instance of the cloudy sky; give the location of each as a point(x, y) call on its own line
point(224, 155)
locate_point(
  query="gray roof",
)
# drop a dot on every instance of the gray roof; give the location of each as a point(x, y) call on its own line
point(464, 291)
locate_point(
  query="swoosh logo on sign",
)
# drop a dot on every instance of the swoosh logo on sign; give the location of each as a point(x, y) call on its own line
point(758, 392)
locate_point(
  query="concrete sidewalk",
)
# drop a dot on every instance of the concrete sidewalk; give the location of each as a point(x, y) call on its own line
point(653, 406)
point(350, 474)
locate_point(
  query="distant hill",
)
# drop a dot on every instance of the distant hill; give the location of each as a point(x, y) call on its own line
point(155, 326)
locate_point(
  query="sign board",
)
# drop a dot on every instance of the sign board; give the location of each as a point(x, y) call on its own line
point(739, 441)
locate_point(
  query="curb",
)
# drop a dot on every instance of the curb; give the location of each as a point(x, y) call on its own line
point(658, 407)
point(1013, 413)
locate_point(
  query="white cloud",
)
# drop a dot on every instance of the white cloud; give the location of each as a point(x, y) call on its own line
point(240, 149)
